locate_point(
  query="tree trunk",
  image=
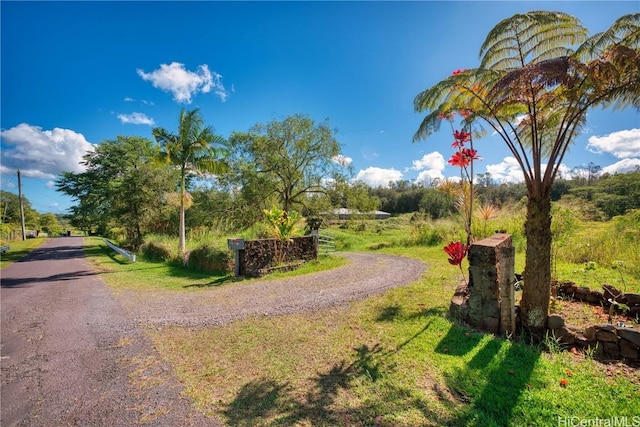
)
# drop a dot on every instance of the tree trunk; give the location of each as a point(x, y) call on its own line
point(534, 306)
point(182, 239)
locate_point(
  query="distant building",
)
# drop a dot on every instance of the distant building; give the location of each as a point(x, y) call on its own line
point(344, 213)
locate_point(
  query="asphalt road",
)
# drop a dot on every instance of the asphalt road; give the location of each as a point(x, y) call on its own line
point(70, 354)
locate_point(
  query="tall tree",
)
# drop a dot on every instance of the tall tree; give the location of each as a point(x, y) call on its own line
point(290, 158)
point(533, 88)
point(122, 186)
point(194, 149)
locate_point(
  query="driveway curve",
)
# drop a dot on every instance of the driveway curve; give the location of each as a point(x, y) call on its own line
point(74, 353)
point(364, 275)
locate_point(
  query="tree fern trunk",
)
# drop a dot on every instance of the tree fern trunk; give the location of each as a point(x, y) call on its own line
point(534, 306)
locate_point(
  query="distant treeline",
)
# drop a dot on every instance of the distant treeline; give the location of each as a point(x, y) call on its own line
point(609, 195)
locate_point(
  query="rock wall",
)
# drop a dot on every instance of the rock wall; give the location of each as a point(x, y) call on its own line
point(259, 255)
point(610, 341)
point(581, 293)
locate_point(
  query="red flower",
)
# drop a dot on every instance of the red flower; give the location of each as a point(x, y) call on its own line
point(456, 251)
point(460, 137)
point(564, 382)
point(458, 71)
point(458, 160)
point(463, 157)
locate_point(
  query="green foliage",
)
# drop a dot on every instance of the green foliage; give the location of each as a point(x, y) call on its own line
point(50, 225)
point(211, 256)
point(619, 193)
point(606, 245)
point(158, 248)
point(193, 149)
point(393, 359)
point(288, 159)
point(428, 233)
point(436, 204)
point(314, 223)
point(10, 210)
point(122, 187)
point(283, 223)
point(259, 230)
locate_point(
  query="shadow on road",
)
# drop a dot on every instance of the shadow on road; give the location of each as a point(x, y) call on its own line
point(24, 281)
point(57, 253)
point(46, 253)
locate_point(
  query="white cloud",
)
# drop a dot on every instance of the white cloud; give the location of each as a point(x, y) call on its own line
point(623, 166)
point(622, 144)
point(143, 101)
point(343, 161)
point(42, 153)
point(433, 160)
point(506, 171)
point(183, 84)
point(378, 177)
point(50, 184)
point(136, 119)
point(431, 166)
point(426, 177)
point(509, 171)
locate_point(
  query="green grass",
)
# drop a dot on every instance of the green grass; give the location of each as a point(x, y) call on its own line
point(145, 275)
point(324, 262)
point(391, 360)
point(18, 249)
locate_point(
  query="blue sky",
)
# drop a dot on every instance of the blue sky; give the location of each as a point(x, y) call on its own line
point(77, 73)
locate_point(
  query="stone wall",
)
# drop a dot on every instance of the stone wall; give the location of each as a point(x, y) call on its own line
point(581, 293)
point(611, 342)
point(259, 255)
point(487, 302)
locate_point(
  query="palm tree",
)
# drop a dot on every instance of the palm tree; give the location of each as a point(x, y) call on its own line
point(534, 89)
point(194, 149)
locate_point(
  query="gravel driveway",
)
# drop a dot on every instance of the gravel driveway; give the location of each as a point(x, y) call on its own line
point(73, 353)
point(365, 274)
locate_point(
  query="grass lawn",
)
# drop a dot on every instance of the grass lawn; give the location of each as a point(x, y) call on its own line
point(18, 249)
point(391, 360)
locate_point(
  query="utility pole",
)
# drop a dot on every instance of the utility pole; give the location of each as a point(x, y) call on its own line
point(24, 233)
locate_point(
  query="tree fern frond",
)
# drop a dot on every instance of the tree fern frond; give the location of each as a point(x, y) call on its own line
point(526, 38)
point(430, 124)
point(624, 31)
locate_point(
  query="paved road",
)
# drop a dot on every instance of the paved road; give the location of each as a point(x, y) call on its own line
point(70, 355)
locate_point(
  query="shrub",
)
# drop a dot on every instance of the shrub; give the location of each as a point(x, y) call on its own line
point(314, 223)
point(156, 250)
point(211, 257)
point(259, 230)
point(425, 234)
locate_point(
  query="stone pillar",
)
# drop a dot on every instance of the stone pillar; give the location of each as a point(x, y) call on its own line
point(491, 278)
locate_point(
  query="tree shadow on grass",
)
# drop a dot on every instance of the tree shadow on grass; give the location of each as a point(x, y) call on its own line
point(458, 341)
point(267, 402)
point(492, 381)
point(394, 312)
